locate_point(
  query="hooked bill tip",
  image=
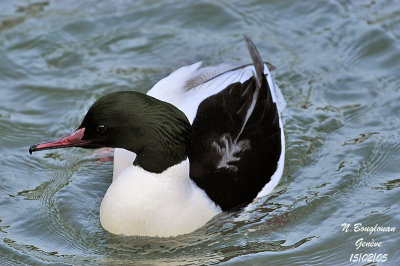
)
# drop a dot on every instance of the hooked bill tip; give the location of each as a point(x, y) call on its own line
point(73, 139)
point(32, 149)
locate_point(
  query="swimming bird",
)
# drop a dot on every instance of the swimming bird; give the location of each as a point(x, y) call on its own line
point(203, 140)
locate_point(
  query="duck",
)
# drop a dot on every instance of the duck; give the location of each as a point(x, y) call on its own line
point(202, 141)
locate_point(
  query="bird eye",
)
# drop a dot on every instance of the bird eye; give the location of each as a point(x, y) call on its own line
point(101, 128)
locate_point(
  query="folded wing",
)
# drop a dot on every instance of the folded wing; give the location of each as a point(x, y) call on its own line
point(237, 137)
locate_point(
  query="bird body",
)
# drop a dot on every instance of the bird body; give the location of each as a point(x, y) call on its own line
point(167, 204)
point(203, 140)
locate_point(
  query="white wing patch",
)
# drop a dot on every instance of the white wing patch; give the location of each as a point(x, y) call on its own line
point(204, 74)
point(206, 81)
point(229, 150)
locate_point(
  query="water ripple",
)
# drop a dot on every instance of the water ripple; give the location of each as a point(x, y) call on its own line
point(337, 65)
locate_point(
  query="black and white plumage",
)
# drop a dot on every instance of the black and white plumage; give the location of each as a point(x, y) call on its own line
point(224, 119)
point(238, 134)
point(236, 157)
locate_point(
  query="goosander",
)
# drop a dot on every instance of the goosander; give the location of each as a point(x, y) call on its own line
point(202, 141)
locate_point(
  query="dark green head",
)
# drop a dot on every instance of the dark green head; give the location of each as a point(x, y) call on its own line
point(158, 132)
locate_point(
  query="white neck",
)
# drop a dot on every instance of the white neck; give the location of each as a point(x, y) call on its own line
point(148, 204)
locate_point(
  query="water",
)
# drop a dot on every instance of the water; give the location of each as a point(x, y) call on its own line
point(338, 66)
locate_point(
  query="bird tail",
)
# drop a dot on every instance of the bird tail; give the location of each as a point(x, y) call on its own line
point(257, 61)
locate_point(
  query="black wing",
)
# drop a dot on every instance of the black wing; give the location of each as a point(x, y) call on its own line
point(237, 141)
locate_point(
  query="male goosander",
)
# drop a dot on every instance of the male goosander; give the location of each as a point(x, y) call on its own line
point(203, 140)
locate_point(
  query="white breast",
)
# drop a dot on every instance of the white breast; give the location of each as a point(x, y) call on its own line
point(147, 204)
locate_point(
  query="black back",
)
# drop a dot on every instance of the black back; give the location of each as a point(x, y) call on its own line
point(233, 155)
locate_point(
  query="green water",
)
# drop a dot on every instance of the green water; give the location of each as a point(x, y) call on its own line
point(337, 63)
